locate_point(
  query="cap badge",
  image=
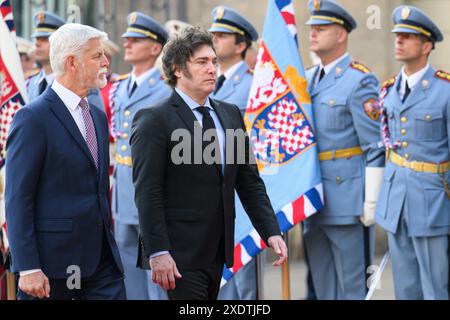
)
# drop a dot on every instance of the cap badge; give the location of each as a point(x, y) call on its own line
point(133, 18)
point(41, 17)
point(405, 13)
point(317, 5)
point(220, 12)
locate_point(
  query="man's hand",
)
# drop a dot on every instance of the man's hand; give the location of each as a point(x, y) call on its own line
point(373, 181)
point(368, 217)
point(164, 271)
point(35, 284)
point(279, 246)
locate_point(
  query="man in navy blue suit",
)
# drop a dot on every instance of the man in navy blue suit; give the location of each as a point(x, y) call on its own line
point(57, 182)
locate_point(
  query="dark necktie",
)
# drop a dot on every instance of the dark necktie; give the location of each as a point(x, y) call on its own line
point(133, 89)
point(322, 74)
point(407, 92)
point(208, 124)
point(42, 86)
point(91, 137)
point(219, 83)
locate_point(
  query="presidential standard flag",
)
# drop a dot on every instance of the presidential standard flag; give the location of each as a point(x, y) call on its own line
point(12, 92)
point(279, 122)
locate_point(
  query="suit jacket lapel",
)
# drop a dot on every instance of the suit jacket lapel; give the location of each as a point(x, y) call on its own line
point(64, 116)
point(121, 95)
point(418, 92)
point(183, 111)
point(96, 117)
point(397, 102)
point(145, 89)
point(230, 84)
point(313, 79)
point(330, 78)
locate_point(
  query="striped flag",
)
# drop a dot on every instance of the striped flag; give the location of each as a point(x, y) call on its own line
point(12, 89)
point(280, 124)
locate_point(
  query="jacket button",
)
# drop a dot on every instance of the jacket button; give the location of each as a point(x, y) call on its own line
point(338, 180)
point(127, 113)
point(124, 148)
point(404, 132)
point(404, 144)
point(406, 156)
point(126, 125)
point(404, 119)
point(125, 136)
point(428, 117)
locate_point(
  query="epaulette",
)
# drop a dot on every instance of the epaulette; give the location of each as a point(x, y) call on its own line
point(360, 67)
point(122, 77)
point(443, 75)
point(250, 71)
point(32, 73)
point(389, 83)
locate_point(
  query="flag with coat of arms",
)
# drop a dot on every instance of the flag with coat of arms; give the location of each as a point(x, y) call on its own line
point(12, 92)
point(281, 129)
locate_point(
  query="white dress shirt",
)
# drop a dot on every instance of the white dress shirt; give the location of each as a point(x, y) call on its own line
point(139, 80)
point(48, 77)
point(412, 80)
point(329, 67)
point(232, 70)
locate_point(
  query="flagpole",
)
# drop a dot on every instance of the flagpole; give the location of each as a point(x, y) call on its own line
point(285, 276)
point(259, 277)
point(10, 286)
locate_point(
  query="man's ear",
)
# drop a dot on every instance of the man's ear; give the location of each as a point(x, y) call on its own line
point(342, 35)
point(156, 49)
point(241, 47)
point(427, 47)
point(71, 63)
point(177, 72)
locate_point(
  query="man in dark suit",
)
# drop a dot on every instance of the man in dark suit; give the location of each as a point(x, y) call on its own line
point(57, 182)
point(186, 208)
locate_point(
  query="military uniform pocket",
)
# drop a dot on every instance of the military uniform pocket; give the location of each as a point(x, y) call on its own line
point(430, 125)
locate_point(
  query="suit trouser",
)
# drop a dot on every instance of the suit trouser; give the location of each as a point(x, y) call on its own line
point(419, 264)
point(200, 284)
point(105, 284)
point(138, 282)
point(336, 255)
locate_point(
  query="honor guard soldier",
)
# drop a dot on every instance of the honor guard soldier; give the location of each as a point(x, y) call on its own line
point(233, 36)
point(26, 54)
point(414, 202)
point(46, 23)
point(142, 88)
point(344, 94)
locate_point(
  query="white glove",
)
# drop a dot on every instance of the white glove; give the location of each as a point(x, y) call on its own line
point(374, 178)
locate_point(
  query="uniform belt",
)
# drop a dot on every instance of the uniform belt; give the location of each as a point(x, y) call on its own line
point(340, 154)
point(125, 161)
point(442, 167)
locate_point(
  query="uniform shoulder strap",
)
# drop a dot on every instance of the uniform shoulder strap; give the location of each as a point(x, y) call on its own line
point(360, 67)
point(389, 83)
point(443, 75)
